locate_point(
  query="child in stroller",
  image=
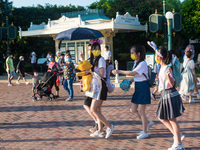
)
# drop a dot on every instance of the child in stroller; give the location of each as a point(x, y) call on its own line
point(43, 87)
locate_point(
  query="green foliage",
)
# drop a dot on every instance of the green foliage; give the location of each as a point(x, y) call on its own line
point(21, 18)
point(190, 11)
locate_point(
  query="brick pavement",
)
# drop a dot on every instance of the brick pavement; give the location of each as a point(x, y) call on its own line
point(61, 125)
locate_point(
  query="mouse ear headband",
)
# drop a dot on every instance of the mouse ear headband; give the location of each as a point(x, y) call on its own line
point(92, 41)
point(154, 46)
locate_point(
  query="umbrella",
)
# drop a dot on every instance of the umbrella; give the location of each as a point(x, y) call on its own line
point(79, 34)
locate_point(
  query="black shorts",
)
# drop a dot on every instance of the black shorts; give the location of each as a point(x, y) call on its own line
point(21, 73)
point(104, 90)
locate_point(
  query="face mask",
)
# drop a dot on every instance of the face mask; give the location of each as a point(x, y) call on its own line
point(96, 53)
point(105, 49)
point(36, 74)
point(69, 59)
point(133, 57)
point(50, 59)
point(11, 56)
point(89, 53)
point(157, 60)
point(22, 59)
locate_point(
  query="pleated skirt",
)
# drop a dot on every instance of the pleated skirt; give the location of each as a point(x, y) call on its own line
point(170, 105)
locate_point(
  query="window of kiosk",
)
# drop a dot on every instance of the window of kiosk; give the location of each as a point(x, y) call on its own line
point(71, 48)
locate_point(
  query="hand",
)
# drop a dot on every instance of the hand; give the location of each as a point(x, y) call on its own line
point(168, 71)
point(131, 81)
point(115, 72)
point(87, 71)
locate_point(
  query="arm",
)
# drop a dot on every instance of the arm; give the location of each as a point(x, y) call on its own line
point(82, 56)
point(169, 77)
point(129, 73)
point(28, 74)
point(101, 72)
point(7, 64)
point(194, 73)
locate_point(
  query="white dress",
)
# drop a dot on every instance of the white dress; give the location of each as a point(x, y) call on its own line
point(188, 80)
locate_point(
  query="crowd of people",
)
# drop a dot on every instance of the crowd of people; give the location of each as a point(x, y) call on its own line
point(170, 105)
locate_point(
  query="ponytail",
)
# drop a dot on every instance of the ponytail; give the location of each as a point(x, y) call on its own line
point(167, 55)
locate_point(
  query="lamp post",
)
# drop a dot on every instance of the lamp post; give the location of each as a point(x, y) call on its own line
point(164, 23)
point(169, 16)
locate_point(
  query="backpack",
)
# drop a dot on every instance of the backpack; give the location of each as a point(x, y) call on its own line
point(151, 77)
point(125, 85)
point(109, 84)
point(176, 73)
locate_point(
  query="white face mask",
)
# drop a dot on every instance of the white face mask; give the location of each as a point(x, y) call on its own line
point(11, 56)
point(36, 74)
point(22, 59)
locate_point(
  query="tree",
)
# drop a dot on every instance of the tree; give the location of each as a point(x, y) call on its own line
point(190, 11)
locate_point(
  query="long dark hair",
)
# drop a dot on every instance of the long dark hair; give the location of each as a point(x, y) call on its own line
point(167, 55)
point(95, 63)
point(139, 49)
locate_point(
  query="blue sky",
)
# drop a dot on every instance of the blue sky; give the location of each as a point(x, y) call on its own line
point(20, 3)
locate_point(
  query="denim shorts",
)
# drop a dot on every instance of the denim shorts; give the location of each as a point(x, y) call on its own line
point(12, 73)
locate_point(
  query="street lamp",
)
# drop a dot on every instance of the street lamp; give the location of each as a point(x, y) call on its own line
point(169, 16)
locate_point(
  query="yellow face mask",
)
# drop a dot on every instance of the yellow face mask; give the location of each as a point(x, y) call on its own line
point(89, 53)
point(96, 53)
point(133, 57)
point(157, 60)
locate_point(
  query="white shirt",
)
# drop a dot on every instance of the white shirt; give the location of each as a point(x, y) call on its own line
point(101, 63)
point(140, 69)
point(33, 59)
point(107, 55)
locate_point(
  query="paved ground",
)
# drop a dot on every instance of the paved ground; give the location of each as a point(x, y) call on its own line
point(61, 125)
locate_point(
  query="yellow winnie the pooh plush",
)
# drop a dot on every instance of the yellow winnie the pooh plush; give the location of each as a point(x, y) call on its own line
point(86, 78)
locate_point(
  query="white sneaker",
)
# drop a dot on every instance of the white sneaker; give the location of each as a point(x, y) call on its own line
point(69, 99)
point(26, 82)
point(10, 84)
point(182, 137)
point(192, 101)
point(184, 97)
point(177, 147)
point(17, 82)
point(149, 125)
point(198, 96)
point(142, 135)
point(109, 131)
point(97, 134)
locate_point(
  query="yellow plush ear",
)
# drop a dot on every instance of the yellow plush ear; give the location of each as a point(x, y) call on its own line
point(90, 66)
point(77, 67)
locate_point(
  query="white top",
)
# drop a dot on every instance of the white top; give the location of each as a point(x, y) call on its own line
point(107, 55)
point(33, 59)
point(101, 63)
point(190, 64)
point(140, 69)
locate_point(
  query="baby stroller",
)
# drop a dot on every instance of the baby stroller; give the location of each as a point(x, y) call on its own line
point(45, 86)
